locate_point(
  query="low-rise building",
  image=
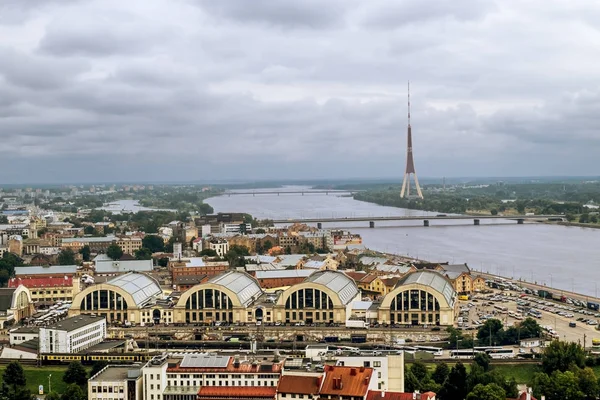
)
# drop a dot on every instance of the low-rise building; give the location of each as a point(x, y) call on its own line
point(116, 382)
point(220, 246)
point(17, 336)
point(72, 335)
point(104, 267)
point(281, 278)
point(129, 244)
point(45, 271)
point(48, 289)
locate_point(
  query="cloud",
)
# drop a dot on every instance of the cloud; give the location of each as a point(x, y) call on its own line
point(184, 89)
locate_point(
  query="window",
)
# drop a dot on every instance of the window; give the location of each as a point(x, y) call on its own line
point(376, 364)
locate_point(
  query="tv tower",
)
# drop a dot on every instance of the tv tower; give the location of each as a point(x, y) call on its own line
point(410, 163)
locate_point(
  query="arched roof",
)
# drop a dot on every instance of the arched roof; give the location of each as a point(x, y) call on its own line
point(140, 286)
point(243, 285)
point(338, 282)
point(432, 279)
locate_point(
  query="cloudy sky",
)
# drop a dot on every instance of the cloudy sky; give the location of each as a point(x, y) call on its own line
point(175, 90)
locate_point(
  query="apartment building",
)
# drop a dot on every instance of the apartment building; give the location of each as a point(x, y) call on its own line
point(48, 289)
point(129, 244)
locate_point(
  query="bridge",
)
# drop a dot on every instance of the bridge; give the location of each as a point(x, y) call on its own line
point(280, 192)
point(520, 219)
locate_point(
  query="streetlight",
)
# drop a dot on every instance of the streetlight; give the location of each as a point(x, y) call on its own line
point(550, 280)
point(49, 383)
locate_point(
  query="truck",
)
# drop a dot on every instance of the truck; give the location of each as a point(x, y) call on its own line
point(355, 323)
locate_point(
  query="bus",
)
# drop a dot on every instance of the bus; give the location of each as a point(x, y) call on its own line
point(596, 343)
point(436, 351)
point(500, 353)
point(409, 350)
point(468, 353)
point(502, 309)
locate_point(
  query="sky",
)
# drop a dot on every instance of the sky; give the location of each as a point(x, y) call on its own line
point(204, 90)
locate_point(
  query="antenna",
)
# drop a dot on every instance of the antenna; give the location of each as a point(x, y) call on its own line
point(409, 103)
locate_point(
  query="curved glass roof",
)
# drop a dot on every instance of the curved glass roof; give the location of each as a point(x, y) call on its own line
point(246, 288)
point(140, 286)
point(433, 280)
point(339, 282)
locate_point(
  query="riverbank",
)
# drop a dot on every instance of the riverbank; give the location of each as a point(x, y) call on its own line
point(576, 224)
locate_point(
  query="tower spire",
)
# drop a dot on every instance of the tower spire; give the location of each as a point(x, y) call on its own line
point(410, 163)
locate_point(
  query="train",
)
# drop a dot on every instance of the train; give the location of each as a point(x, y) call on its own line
point(90, 358)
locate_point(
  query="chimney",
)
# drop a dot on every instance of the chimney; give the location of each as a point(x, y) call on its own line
point(353, 372)
point(362, 369)
point(383, 393)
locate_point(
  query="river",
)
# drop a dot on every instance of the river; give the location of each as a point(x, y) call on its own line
point(559, 256)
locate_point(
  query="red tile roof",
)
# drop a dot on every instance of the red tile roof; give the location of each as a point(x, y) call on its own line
point(523, 396)
point(41, 282)
point(356, 275)
point(380, 395)
point(233, 392)
point(298, 384)
point(346, 381)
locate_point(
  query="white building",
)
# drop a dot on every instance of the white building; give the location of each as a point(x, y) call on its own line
point(155, 377)
point(234, 228)
point(23, 334)
point(73, 334)
point(206, 230)
point(116, 382)
point(177, 250)
point(221, 246)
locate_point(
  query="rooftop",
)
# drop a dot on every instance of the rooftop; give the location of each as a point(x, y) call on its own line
point(90, 239)
point(73, 323)
point(379, 395)
point(346, 381)
point(245, 286)
point(41, 282)
point(6, 298)
point(237, 392)
point(116, 373)
point(299, 384)
point(432, 279)
point(284, 273)
point(221, 364)
point(110, 266)
point(26, 329)
point(140, 286)
point(55, 270)
point(343, 285)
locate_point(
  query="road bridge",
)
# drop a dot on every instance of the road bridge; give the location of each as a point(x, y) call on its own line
point(284, 192)
point(520, 219)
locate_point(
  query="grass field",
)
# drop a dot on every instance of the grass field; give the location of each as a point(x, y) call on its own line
point(39, 376)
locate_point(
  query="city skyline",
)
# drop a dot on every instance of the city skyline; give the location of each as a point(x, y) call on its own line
point(196, 90)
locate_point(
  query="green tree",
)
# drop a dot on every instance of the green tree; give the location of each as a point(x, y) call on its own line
point(154, 243)
point(21, 393)
point(411, 383)
point(487, 392)
point(208, 253)
point(588, 383)
point(85, 252)
point(205, 209)
point(143, 254)
point(75, 374)
point(163, 261)
point(584, 218)
point(440, 373)
point(419, 370)
point(114, 251)
point(562, 356)
point(267, 245)
point(491, 330)
point(260, 231)
point(66, 257)
point(455, 387)
point(4, 277)
point(593, 219)
point(74, 392)
point(14, 375)
point(97, 367)
point(493, 211)
point(52, 396)
point(483, 360)
point(89, 230)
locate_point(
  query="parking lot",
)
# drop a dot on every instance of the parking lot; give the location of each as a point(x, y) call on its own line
point(513, 306)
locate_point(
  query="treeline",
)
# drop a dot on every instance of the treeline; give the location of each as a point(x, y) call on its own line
point(454, 203)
